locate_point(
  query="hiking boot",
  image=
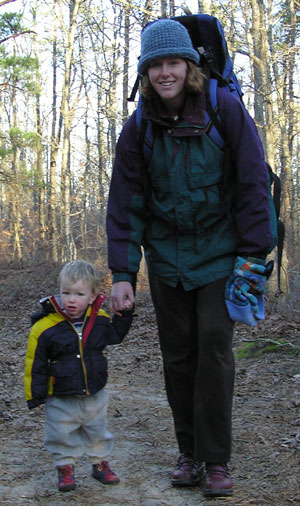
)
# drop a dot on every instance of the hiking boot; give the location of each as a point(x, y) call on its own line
point(218, 482)
point(187, 472)
point(102, 472)
point(66, 478)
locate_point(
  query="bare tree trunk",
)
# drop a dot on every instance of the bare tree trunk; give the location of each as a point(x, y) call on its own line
point(15, 224)
point(39, 177)
point(163, 8)
point(102, 155)
point(15, 215)
point(258, 56)
point(102, 151)
point(147, 12)
point(55, 139)
point(87, 172)
point(68, 252)
point(172, 8)
point(291, 110)
point(270, 149)
point(126, 61)
point(204, 6)
point(112, 95)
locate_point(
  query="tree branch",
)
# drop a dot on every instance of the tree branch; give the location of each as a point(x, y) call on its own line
point(16, 35)
point(3, 2)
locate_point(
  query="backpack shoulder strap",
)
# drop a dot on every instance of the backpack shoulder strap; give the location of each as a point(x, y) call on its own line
point(145, 141)
point(275, 181)
point(280, 243)
point(134, 89)
point(214, 126)
point(144, 131)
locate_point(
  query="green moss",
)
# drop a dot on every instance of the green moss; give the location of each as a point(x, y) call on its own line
point(263, 346)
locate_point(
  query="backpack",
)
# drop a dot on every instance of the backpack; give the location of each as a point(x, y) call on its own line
point(208, 39)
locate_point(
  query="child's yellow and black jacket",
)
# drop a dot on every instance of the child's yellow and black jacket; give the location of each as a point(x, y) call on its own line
point(62, 361)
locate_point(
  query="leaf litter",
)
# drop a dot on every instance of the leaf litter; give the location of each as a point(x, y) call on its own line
point(266, 417)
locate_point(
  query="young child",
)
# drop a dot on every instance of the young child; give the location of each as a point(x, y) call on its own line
point(65, 368)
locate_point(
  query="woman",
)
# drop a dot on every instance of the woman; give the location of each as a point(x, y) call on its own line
point(191, 241)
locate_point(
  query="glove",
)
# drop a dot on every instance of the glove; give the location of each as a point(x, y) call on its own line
point(245, 289)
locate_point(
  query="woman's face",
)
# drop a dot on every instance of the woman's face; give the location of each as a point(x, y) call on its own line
point(167, 76)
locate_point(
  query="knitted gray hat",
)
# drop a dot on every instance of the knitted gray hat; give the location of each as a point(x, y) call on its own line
point(165, 37)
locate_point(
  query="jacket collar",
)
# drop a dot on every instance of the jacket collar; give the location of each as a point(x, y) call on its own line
point(192, 114)
point(53, 304)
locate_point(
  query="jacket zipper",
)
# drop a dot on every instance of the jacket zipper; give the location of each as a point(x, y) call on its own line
point(81, 354)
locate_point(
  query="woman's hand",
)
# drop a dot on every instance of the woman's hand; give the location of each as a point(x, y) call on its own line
point(121, 297)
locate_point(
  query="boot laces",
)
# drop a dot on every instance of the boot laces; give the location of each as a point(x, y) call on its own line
point(185, 461)
point(220, 469)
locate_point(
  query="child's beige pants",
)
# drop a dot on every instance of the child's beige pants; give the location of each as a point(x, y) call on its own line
point(76, 425)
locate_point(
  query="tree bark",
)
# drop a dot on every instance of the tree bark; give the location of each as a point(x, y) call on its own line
point(68, 247)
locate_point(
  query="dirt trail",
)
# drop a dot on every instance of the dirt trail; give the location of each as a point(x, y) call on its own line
point(266, 418)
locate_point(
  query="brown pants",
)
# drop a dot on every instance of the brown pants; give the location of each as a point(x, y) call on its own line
point(195, 335)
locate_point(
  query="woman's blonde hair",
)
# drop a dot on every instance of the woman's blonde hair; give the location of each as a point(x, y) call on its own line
point(194, 81)
point(80, 270)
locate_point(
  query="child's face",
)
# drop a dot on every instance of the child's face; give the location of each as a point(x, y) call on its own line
point(75, 297)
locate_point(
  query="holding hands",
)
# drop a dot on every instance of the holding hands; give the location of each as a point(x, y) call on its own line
point(122, 297)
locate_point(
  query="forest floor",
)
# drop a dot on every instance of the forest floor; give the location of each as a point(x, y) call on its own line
point(266, 416)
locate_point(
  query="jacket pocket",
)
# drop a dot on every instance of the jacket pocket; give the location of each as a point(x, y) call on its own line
point(204, 180)
point(67, 377)
point(206, 162)
point(160, 188)
point(206, 191)
point(97, 370)
point(207, 199)
point(61, 369)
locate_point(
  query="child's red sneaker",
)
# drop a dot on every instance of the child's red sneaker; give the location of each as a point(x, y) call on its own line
point(102, 472)
point(66, 478)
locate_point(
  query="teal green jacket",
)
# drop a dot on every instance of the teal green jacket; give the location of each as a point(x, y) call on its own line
point(184, 220)
point(190, 235)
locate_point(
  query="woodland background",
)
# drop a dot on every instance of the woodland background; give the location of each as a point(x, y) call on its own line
point(67, 68)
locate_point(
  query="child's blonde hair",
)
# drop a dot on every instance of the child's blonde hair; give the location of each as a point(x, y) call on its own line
point(80, 270)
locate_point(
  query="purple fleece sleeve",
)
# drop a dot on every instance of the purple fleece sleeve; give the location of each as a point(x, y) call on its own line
point(125, 222)
point(253, 224)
